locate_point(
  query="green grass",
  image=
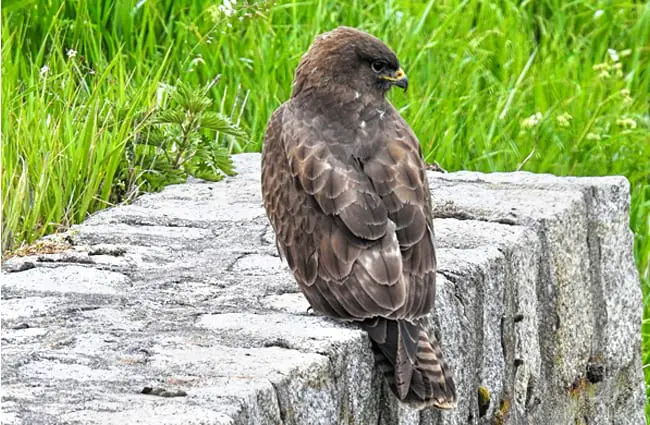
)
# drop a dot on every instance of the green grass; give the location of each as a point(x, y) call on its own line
point(477, 70)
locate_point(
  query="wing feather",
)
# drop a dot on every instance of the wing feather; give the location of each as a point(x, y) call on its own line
point(332, 179)
point(397, 173)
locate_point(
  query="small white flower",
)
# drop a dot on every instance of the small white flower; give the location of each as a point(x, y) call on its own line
point(627, 97)
point(532, 120)
point(71, 53)
point(564, 120)
point(228, 7)
point(593, 136)
point(44, 70)
point(598, 13)
point(627, 123)
point(613, 54)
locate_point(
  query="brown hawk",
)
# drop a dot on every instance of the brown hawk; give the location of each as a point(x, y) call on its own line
point(345, 189)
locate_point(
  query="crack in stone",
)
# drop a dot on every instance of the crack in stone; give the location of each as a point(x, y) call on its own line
point(466, 216)
point(134, 221)
point(231, 266)
point(595, 273)
point(281, 409)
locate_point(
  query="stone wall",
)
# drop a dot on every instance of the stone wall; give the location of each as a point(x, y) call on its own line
point(539, 310)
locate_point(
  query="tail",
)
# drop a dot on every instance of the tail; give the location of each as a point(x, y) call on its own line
point(412, 363)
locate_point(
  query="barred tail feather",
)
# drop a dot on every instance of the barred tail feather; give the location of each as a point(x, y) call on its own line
point(412, 363)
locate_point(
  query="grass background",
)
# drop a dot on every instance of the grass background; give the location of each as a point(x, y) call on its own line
point(77, 75)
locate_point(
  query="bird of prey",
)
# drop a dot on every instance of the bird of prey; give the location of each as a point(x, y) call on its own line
point(344, 186)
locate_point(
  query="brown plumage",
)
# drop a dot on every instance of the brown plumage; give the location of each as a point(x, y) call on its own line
point(345, 189)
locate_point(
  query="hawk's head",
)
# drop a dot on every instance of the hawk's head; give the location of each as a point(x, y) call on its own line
point(349, 58)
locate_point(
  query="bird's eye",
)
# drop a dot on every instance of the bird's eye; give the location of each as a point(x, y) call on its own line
point(378, 66)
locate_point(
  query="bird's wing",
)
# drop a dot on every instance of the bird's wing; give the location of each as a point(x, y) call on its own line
point(397, 173)
point(328, 171)
point(291, 214)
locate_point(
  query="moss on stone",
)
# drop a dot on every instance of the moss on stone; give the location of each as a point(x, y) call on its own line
point(483, 400)
point(501, 415)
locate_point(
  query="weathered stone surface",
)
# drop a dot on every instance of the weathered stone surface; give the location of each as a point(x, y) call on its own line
point(538, 304)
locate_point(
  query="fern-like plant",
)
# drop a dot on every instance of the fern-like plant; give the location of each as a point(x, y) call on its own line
point(178, 140)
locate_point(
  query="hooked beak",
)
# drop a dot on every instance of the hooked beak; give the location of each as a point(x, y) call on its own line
point(398, 79)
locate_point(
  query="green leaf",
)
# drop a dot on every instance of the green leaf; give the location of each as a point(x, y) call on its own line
point(191, 100)
point(222, 124)
point(170, 116)
point(154, 136)
point(222, 160)
point(181, 95)
point(198, 103)
point(205, 172)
